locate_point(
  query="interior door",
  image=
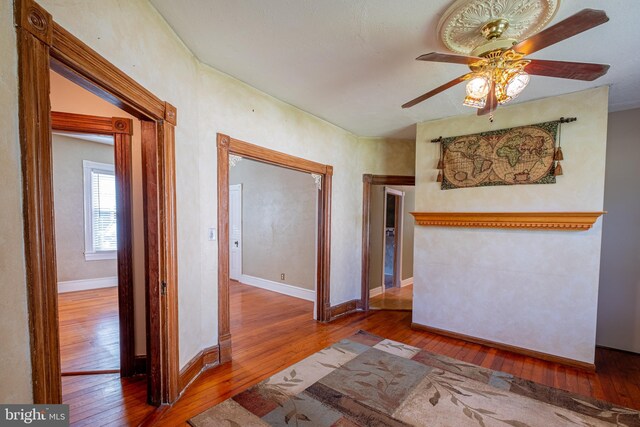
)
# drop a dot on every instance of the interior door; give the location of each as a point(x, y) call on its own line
point(235, 231)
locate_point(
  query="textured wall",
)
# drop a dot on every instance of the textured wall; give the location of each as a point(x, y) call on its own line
point(528, 288)
point(279, 227)
point(15, 369)
point(619, 296)
point(209, 102)
point(68, 187)
point(68, 97)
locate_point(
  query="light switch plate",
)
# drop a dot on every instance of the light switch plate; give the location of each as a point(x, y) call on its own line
point(212, 233)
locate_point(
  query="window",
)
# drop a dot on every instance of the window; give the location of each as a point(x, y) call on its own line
point(100, 225)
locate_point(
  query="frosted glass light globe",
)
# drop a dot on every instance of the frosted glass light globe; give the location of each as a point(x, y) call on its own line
point(516, 84)
point(478, 87)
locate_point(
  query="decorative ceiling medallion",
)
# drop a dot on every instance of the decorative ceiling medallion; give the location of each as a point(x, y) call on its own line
point(460, 28)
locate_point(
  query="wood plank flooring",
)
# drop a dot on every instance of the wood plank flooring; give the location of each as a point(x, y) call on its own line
point(89, 331)
point(272, 331)
point(393, 299)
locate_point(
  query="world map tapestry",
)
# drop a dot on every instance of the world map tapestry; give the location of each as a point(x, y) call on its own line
point(520, 155)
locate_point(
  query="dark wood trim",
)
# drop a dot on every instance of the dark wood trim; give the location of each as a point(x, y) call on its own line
point(397, 230)
point(343, 309)
point(368, 180)
point(98, 372)
point(153, 283)
point(33, 26)
point(324, 248)
point(633, 353)
point(42, 44)
point(85, 67)
point(226, 146)
point(71, 122)
point(265, 155)
point(140, 365)
point(124, 213)
point(224, 322)
point(121, 129)
point(389, 179)
point(169, 257)
point(205, 359)
point(501, 346)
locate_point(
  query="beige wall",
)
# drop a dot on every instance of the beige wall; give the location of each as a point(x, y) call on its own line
point(619, 296)
point(68, 187)
point(15, 369)
point(279, 211)
point(208, 102)
point(68, 97)
point(376, 233)
point(528, 288)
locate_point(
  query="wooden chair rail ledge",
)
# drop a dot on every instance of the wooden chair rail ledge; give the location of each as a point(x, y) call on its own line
point(568, 221)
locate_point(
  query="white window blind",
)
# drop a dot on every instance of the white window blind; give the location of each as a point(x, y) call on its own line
point(101, 241)
point(103, 207)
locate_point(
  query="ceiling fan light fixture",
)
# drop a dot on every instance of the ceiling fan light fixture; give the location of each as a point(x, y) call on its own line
point(516, 84)
point(509, 83)
point(475, 102)
point(478, 87)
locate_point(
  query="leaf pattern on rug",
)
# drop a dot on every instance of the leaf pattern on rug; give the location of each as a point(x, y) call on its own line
point(354, 383)
point(283, 399)
point(378, 380)
point(441, 383)
point(612, 415)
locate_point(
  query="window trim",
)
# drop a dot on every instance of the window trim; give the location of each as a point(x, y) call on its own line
point(89, 253)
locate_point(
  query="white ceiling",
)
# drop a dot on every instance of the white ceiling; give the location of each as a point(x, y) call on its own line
point(352, 62)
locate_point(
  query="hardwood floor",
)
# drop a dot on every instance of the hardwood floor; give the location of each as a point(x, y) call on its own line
point(272, 331)
point(393, 299)
point(89, 331)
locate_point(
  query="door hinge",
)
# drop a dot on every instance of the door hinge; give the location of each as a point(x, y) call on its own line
point(163, 288)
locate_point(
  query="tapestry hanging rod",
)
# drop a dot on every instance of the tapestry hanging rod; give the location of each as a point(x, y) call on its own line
point(560, 120)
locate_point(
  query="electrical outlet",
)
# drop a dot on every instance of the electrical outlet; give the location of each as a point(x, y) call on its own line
point(212, 233)
point(282, 276)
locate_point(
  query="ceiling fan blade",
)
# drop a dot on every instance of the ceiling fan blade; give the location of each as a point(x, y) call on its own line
point(492, 102)
point(575, 24)
point(445, 57)
point(566, 70)
point(435, 91)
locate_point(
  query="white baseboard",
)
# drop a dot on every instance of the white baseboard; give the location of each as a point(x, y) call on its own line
point(375, 291)
point(407, 282)
point(281, 288)
point(86, 284)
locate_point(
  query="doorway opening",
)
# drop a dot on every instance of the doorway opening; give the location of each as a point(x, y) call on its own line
point(86, 245)
point(231, 257)
point(43, 45)
point(272, 245)
point(97, 180)
point(392, 238)
point(387, 263)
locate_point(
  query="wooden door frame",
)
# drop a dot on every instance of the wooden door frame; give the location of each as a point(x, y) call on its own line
point(121, 129)
point(368, 180)
point(397, 237)
point(230, 146)
point(43, 45)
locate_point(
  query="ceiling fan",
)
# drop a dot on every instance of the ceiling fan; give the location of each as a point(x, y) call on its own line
point(499, 69)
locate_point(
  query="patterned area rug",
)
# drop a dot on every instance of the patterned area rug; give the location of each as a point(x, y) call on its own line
point(370, 381)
